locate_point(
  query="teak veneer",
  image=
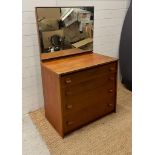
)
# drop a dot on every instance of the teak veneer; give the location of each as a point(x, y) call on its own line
point(78, 89)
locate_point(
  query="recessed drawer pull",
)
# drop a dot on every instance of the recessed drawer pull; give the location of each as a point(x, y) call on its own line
point(112, 69)
point(68, 93)
point(69, 106)
point(68, 80)
point(110, 104)
point(110, 91)
point(70, 123)
point(111, 78)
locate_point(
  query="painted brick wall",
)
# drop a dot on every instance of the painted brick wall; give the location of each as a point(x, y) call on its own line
point(109, 17)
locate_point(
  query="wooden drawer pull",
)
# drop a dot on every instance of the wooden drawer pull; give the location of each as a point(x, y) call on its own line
point(110, 91)
point(70, 123)
point(111, 78)
point(68, 93)
point(68, 81)
point(69, 106)
point(112, 69)
point(110, 104)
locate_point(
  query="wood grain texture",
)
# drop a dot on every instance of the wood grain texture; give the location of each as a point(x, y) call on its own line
point(78, 89)
point(90, 73)
point(77, 62)
point(52, 99)
point(88, 96)
point(93, 93)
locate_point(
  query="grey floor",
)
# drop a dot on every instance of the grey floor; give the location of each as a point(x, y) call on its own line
point(32, 141)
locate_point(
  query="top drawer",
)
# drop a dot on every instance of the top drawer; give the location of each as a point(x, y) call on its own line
point(87, 74)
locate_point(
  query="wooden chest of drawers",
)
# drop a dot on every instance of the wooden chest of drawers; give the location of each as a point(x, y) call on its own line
point(78, 89)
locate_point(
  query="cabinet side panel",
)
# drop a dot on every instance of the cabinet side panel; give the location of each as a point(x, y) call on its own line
point(52, 102)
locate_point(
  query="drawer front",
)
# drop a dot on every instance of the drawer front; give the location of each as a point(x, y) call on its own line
point(81, 76)
point(81, 117)
point(90, 84)
point(75, 100)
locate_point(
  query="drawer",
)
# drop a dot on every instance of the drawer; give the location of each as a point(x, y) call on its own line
point(75, 100)
point(81, 117)
point(87, 74)
point(90, 84)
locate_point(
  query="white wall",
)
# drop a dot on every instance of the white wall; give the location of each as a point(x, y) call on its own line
point(109, 17)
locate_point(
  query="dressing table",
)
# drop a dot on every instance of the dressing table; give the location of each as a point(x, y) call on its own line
point(79, 85)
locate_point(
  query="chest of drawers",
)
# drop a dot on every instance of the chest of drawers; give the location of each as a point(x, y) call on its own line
point(78, 89)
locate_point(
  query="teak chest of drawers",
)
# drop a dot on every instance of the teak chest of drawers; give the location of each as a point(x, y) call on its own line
point(78, 89)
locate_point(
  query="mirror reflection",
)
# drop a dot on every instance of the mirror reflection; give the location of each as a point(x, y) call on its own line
point(61, 28)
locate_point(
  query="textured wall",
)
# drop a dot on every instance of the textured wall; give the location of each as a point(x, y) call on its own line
point(109, 17)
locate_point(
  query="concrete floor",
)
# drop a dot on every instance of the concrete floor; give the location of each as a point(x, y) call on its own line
point(32, 141)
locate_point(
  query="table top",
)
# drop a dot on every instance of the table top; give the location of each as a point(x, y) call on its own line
point(77, 62)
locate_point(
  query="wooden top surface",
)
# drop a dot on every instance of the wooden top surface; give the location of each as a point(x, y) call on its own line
point(76, 62)
point(63, 53)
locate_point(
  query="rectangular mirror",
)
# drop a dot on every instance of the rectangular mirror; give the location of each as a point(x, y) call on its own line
point(61, 28)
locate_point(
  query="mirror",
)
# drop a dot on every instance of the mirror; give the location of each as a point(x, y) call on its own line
point(61, 28)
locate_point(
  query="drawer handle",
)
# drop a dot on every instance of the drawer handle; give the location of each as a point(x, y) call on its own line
point(110, 104)
point(69, 106)
point(112, 69)
point(111, 78)
point(70, 123)
point(110, 91)
point(68, 93)
point(68, 81)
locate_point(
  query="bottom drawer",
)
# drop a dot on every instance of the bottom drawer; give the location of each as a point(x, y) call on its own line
point(78, 119)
